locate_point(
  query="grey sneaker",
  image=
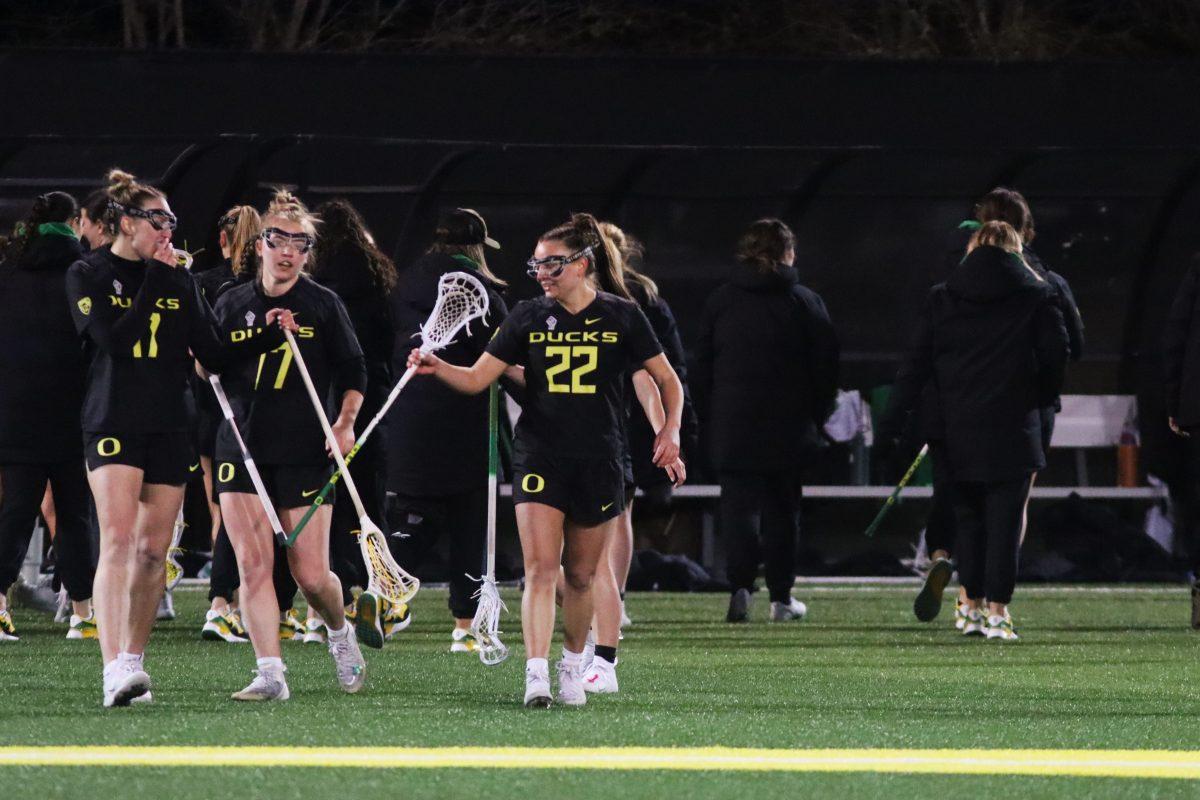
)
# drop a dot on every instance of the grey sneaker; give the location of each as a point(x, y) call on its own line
point(792, 609)
point(570, 685)
point(267, 685)
point(739, 607)
point(349, 661)
point(166, 607)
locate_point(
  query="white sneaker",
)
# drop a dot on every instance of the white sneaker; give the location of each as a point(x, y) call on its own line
point(142, 699)
point(960, 615)
point(974, 624)
point(314, 631)
point(125, 682)
point(349, 662)
point(570, 685)
point(601, 678)
point(267, 685)
point(625, 620)
point(166, 607)
point(1001, 628)
point(219, 627)
point(463, 641)
point(792, 609)
point(537, 688)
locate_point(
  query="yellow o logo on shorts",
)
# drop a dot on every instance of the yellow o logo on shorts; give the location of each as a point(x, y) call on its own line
point(225, 472)
point(108, 446)
point(527, 483)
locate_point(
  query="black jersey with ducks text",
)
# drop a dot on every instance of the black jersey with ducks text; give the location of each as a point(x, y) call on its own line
point(575, 366)
point(268, 395)
point(140, 320)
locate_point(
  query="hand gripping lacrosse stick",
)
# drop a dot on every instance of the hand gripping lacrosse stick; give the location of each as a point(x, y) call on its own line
point(895, 495)
point(461, 298)
point(485, 627)
point(251, 468)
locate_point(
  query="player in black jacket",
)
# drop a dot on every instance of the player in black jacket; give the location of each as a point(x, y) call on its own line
point(767, 364)
point(40, 397)
point(351, 265)
point(284, 436)
point(439, 438)
point(142, 317)
point(576, 345)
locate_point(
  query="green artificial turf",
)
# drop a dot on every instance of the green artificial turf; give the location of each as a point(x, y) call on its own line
point(1093, 670)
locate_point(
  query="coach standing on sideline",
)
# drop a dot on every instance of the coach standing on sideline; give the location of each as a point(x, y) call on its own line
point(41, 393)
point(993, 341)
point(766, 373)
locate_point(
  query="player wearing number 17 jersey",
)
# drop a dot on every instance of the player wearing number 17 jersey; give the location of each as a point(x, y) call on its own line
point(285, 437)
point(577, 345)
point(140, 314)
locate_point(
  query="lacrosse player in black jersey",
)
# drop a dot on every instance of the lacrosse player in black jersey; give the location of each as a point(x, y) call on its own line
point(140, 314)
point(285, 437)
point(577, 345)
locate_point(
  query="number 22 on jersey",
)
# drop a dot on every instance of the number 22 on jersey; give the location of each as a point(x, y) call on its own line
point(587, 353)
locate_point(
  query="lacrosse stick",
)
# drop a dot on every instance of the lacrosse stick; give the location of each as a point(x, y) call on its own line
point(461, 298)
point(385, 577)
point(174, 568)
point(485, 627)
point(251, 467)
point(895, 495)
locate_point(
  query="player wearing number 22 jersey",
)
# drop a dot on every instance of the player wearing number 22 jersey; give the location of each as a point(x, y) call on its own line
point(569, 441)
point(140, 320)
point(268, 396)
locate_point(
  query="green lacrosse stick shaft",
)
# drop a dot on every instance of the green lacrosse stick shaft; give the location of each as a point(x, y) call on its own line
point(895, 495)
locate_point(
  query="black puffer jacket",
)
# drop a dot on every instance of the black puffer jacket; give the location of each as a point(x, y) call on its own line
point(41, 356)
point(994, 343)
point(766, 370)
point(1182, 352)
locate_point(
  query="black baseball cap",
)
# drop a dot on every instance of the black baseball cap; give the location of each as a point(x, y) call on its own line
point(465, 226)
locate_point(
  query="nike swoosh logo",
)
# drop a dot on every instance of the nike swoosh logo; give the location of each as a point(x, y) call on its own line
point(607, 507)
point(309, 494)
point(193, 467)
point(590, 321)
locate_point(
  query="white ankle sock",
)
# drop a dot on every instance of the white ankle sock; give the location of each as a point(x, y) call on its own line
point(132, 659)
point(540, 666)
point(270, 664)
point(571, 659)
point(342, 633)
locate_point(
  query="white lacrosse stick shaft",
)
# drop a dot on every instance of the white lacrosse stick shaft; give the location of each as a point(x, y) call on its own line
point(248, 460)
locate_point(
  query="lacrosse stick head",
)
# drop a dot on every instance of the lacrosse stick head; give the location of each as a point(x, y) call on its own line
point(485, 627)
point(386, 578)
point(461, 298)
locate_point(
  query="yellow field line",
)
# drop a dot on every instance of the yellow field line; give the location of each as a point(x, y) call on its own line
point(1074, 763)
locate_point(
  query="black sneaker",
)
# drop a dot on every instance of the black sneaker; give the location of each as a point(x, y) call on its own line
point(929, 602)
point(739, 607)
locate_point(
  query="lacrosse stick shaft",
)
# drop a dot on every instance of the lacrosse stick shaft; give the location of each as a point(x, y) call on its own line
point(895, 495)
point(323, 495)
point(493, 469)
point(319, 407)
point(251, 467)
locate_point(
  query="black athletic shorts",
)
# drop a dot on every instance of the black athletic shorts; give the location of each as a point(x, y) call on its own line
point(588, 491)
point(165, 458)
point(288, 485)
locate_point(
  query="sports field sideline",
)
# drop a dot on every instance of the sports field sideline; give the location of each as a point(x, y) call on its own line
point(1098, 699)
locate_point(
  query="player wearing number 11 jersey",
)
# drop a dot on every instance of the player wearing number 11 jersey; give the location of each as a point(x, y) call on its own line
point(140, 314)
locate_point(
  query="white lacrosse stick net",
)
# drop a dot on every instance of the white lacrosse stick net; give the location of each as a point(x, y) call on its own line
point(486, 624)
point(461, 298)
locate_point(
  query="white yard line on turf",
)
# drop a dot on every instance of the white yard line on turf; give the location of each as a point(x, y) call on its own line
point(1070, 763)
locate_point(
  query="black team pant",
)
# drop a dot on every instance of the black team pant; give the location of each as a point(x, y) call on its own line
point(939, 527)
point(459, 520)
point(22, 487)
point(989, 518)
point(760, 522)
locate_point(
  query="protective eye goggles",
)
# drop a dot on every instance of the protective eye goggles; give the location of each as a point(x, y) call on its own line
point(300, 242)
point(554, 264)
point(157, 218)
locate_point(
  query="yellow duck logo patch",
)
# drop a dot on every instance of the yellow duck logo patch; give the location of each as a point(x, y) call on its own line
point(85, 306)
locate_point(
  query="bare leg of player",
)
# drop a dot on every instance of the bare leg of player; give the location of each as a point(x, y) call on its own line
point(309, 562)
point(158, 509)
point(541, 531)
point(254, 545)
point(116, 488)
